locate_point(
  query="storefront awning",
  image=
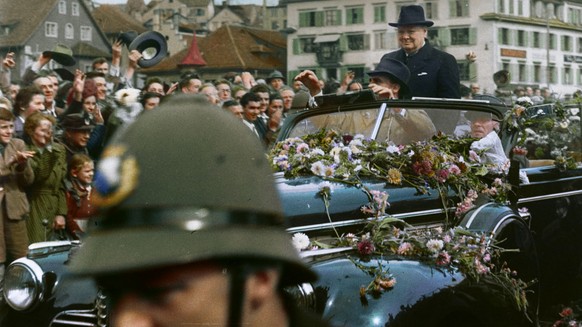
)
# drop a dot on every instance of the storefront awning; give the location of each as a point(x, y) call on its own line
point(326, 38)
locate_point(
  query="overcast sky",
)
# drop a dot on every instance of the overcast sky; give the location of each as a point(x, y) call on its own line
point(234, 2)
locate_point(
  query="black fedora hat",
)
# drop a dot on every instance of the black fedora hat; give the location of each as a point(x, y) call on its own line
point(61, 54)
point(396, 70)
point(412, 15)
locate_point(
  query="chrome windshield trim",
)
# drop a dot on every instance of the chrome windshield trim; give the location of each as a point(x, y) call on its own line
point(351, 222)
point(378, 121)
point(549, 196)
point(321, 252)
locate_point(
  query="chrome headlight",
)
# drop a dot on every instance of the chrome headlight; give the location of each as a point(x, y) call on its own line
point(23, 284)
point(304, 296)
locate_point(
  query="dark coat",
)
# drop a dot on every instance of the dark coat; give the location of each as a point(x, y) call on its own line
point(433, 73)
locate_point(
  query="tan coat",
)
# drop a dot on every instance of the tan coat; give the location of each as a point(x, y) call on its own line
point(13, 235)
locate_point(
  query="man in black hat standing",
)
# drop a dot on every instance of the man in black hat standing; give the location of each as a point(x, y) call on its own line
point(179, 242)
point(433, 73)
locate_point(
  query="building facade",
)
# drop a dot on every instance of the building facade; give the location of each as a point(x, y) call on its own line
point(29, 27)
point(537, 41)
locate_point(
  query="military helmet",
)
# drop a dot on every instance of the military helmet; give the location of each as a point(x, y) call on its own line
point(185, 183)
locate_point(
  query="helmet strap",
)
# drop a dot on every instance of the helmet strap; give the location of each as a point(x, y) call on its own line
point(238, 276)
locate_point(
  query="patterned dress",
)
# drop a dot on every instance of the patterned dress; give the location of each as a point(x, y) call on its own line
point(47, 195)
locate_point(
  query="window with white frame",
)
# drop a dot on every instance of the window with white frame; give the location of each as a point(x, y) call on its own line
point(553, 41)
point(522, 38)
point(460, 36)
point(553, 74)
point(380, 13)
point(69, 31)
point(537, 73)
point(333, 17)
point(431, 9)
point(566, 43)
point(354, 15)
point(522, 72)
point(310, 18)
point(358, 42)
point(380, 41)
point(51, 29)
point(86, 33)
point(505, 36)
point(501, 6)
point(75, 8)
point(538, 41)
point(63, 7)
point(567, 78)
point(459, 8)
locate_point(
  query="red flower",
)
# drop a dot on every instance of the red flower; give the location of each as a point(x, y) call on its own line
point(366, 247)
point(566, 312)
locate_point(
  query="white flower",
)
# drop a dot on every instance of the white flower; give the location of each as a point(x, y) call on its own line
point(328, 171)
point(300, 241)
point(317, 151)
point(434, 246)
point(564, 124)
point(393, 149)
point(318, 168)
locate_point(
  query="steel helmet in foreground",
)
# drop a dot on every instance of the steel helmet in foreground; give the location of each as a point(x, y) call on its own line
point(186, 182)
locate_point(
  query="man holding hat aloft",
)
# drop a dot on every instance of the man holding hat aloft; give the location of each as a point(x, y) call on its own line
point(387, 81)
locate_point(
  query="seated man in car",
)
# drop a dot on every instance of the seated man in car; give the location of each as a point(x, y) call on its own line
point(484, 127)
point(387, 81)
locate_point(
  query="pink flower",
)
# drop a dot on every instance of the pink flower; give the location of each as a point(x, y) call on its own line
point(404, 249)
point(442, 175)
point(443, 259)
point(472, 194)
point(480, 267)
point(455, 170)
point(366, 247)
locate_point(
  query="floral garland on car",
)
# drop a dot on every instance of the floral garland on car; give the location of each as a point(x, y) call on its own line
point(543, 135)
point(454, 250)
point(439, 164)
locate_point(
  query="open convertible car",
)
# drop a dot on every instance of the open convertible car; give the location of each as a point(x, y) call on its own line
point(408, 217)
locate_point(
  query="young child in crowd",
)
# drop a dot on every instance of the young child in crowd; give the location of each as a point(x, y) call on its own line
point(79, 188)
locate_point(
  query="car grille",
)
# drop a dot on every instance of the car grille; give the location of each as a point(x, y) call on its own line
point(96, 317)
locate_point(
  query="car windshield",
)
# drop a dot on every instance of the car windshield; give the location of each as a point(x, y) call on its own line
point(389, 123)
